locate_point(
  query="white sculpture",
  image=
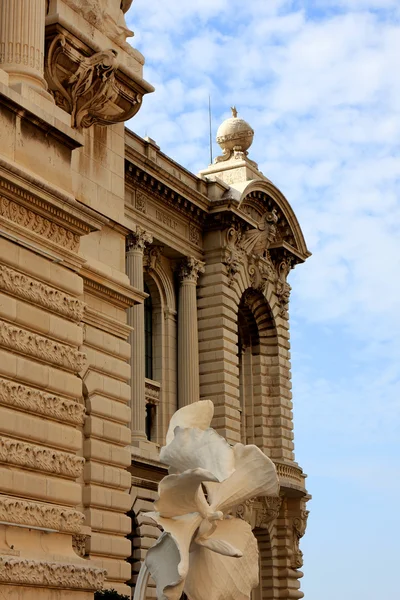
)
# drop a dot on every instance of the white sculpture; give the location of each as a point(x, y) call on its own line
point(204, 551)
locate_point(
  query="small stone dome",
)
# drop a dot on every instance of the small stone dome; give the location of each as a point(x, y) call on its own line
point(235, 133)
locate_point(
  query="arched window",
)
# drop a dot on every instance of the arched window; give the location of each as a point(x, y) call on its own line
point(148, 334)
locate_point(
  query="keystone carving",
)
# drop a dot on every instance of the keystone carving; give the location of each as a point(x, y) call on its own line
point(30, 344)
point(40, 458)
point(56, 575)
point(79, 544)
point(39, 402)
point(23, 512)
point(25, 287)
point(190, 269)
point(152, 257)
point(91, 89)
point(30, 220)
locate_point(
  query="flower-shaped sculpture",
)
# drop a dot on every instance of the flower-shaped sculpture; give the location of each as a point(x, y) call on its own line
point(204, 551)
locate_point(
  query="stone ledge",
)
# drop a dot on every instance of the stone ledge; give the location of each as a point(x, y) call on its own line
point(22, 512)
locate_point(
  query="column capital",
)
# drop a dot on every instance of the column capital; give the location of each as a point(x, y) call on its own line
point(190, 269)
point(137, 240)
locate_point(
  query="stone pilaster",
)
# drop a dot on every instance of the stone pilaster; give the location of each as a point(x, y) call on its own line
point(22, 42)
point(136, 244)
point(188, 337)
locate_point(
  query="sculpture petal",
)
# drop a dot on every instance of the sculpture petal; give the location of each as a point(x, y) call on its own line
point(168, 559)
point(199, 415)
point(195, 448)
point(213, 576)
point(254, 475)
point(183, 494)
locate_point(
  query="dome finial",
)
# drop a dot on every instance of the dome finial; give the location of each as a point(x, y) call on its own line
point(234, 136)
point(234, 112)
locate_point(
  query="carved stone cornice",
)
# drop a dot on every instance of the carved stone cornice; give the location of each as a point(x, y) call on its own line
point(167, 194)
point(28, 343)
point(39, 458)
point(20, 571)
point(138, 240)
point(47, 229)
point(27, 288)
point(89, 85)
point(152, 392)
point(36, 401)
point(34, 514)
point(190, 269)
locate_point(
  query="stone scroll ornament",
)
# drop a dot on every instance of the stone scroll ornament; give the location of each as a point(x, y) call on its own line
point(204, 551)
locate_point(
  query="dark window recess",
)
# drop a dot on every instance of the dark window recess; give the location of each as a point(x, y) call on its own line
point(148, 334)
point(150, 420)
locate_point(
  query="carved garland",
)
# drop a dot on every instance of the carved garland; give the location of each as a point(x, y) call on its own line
point(30, 344)
point(39, 458)
point(41, 403)
point(34, 514)
point(37, 292)
point(56, 575)
point(34, 222)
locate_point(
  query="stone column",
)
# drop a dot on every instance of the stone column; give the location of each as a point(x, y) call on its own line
point(188, 337)
point(22, 42)
point(136, 243)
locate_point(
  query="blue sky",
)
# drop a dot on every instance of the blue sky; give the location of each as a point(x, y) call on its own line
point(319, 82)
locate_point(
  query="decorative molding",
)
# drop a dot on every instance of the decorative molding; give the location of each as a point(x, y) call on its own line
point(65, 215)
point(20, 571)
point(92, 89)
point(34, 222)
point(268, 511)
point(194, 234)
point(106, 323)
point(35, 514)
point(141, 202)
point(152, 392)
point(190, 269)
point(257, 241)
point(283, 289)
point(299, 525)
point(111, 293)
point(234, 255)
point(36, 401)
point(40, 458)
point(79, 544)
point(28, 343)
point(35, 291)
point(138, 240)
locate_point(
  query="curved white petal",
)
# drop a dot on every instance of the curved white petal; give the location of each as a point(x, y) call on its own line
point(183, 494)
point(168, 559)
point(213, 576)
point(195, 448)
point(199, 415)
point(254, 475)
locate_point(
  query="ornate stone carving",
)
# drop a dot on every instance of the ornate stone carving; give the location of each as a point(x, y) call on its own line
point(28, 343)
point(194, 234)
point(152, 392)
point(299, 529)
point(283, 289)
point(257, 241)
point(234, 255)
point(151, 257)
point(23, 512)
point(88, 87)
point(58, 575)
point(47, 229)
point(190, 269)
point(37, 292)
point(39, 402)
point(141, 202)
point(106, 15)
point(268, 512)
point(40, 458)
point(79, 544)
point(138, 240)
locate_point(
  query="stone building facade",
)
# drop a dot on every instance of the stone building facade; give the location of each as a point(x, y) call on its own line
point(128, 287)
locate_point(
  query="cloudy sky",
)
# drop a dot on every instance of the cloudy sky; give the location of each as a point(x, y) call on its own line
point(319, 82)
